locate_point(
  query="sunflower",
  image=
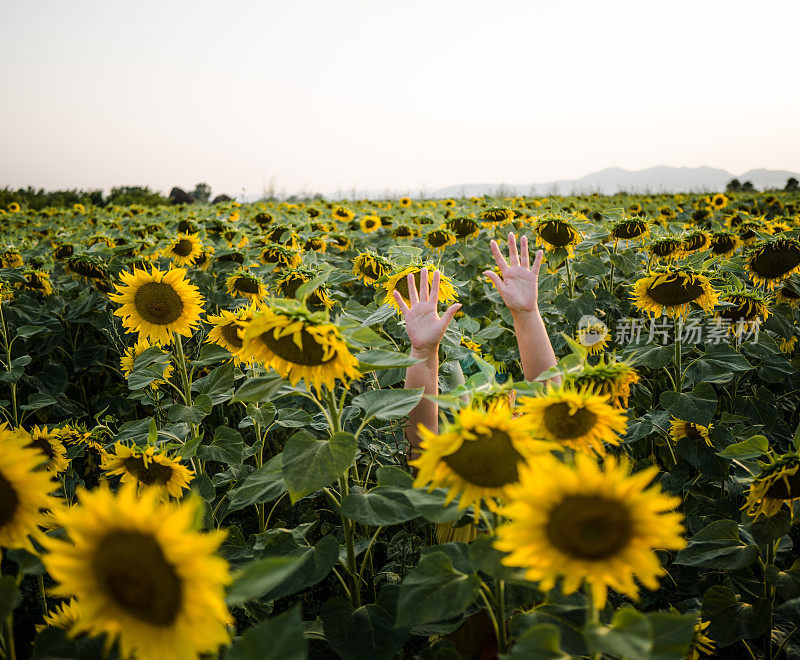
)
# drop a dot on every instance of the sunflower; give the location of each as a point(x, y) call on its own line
point(88, 268)
point(100, 239)
point(701, 643)
point(342, 213)
point(587, 524)
point(627, 229)
point(405, 202)
point(778, 483)
point(226, 330)
point(666, 249)
point(611, 379)
point(340, 241)
point(774, 260)
point(679, 429)
point(463, 227)
point(696, 241)
point(788, 345)
point(496, 216)
point(299, 344)
point(671, 291)
point(316, 244)
point(50, 444)
point(748, 308)
point(719, 201)
point(370, 223)
point(37, 280)
point(370, 267)
point(63, 250)
point(284, 235)
point(204, 258)
point(666, 213)
point(573, 418)
point(64, 615)
point(13, 207)
point(128, 360)
point(292, 280)
point(556, 233)
point(148, 469)
point(398, 281)
point(24, 490)
point(439, 239)
point(478, 455)
point(142, 574)
point(724, 243)
point(748, 232)
point(279, 256)
point(635, 208)
point(242, 284)
point(158, 304)
point(404, 231)
point(594, 338)
point(184, 249)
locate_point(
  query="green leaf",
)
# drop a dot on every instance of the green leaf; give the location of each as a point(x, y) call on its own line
point(629, 635)
point(539, 642)
point(310, 464)
point(275, 577)
point(211, 354)
point(279, 638)
point(380, 507)
point(388, 404)
point(8, 596)
point(435, 591)
point(263, 485)
point(260, 388)
point(226, 447)
point(218, 384)
point(732, 620)
point(697, 407)
point(367, 633)
point(390, 475)
point(152, 432)
point(28, 331)
point(753, 447)
point(488, 559)
point(431, 505)
point(718, 545)
point(293, 418)
point(672, 634)
point(200, 409)
point(38, 401)
point(377, 359)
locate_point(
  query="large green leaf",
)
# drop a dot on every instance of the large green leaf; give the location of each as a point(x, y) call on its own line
point(218, 384)
point(310, 464)
point(753, 447)
point(259, 388)
point(367, 633)
point(435, 591)
point(697, 406)
point(263, 485)
point(378, 359)
point(279, 638)
point(226, 447)
point(539, 642)
point(719, 546)
point(381, 506)
point(388, 404)
point(731, 619)
point(629, 635)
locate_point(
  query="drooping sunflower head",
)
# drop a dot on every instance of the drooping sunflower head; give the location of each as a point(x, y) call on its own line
point(398, 281)
point(776, 485)
point(128, 360)
point(38, 281)
point(288, 284)
point(25, 490)
point(370, 223)
point(158, 304)
point(226, 331)
point(283, 235)
point(748, 232)
point(370, 267)
point(11, 258)
point(340, 241)
point(744, 308)
point(298, 344)
point(147, 469)
point(574, 418)
point(439, 239)
point(463, 226)
point(184, 249)
point(584, 523)
point(142, 573)
point(242, 284)
point(63, 250)
point(51, 445)
point(316, 244)
point(594, 337)
point(477, 456)
point(665, 249)
point(672, 291)
point(404, 231)
point(280, 256)
point(610, 378)
point(725, 243)
point(88, 268)
point(788, 345)
point(343, 213)
point(635, 208)
point(774, 260)
point(701, 643)
point(64, 615)
point(496, 216)
point(696, 241)
point(629, 229)
point(679, 429)
point(554, 232)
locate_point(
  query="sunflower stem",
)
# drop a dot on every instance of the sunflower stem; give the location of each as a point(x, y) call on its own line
point(349, 533)
point(592, 613)
point(611, 273)
point(187, 387)
point(678, 370)
point(42, 594)
point(11, 651)
point(7, 347)
point(769, 595)
point(569, 278)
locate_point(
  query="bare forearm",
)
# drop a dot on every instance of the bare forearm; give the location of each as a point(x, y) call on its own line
point(426, 375)
point(535, 351)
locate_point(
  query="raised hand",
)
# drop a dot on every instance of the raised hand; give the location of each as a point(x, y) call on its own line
point(424, 325)
point(519, 285)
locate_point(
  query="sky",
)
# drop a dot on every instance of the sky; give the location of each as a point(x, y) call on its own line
point(321, 95)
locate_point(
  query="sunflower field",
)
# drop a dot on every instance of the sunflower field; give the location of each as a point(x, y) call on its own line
point(203, 449)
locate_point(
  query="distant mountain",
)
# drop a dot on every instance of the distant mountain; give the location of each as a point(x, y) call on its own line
point(615, 179)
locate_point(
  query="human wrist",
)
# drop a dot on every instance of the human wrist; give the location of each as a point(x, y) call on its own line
point(425, 352)
point(522, 316)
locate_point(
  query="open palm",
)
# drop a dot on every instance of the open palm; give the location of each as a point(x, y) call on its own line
point(519, 285)
point(424, 325)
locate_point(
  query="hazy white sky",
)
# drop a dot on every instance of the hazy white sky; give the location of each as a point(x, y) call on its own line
point(330, 94)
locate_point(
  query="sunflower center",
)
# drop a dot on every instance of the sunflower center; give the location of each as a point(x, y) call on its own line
point(9, 501)
point(158, 303)
point(722, 245)
point(370, 269)
point(489, 461)
point(245, 285)
point(183, 248)
point(131, 567)
point(665, 248)
point(290, 286)
point(589, 528)
point(556, 233)
point(743, 311)
point(312, 354)
point(781, 490)
point(567, 425)
point(437, 239)
point(402, 285)
point(677, 290)
point(775, 261)
point(693, 433)
point(230, 334)
point(153, 473)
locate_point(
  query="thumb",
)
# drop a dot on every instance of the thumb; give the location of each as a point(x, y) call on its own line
point(494, 277)
point(449, 313)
